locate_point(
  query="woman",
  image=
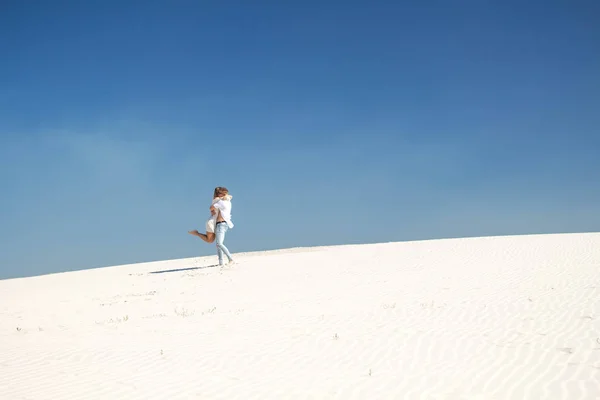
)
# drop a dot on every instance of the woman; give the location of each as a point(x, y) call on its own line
point(209, 237)
point(219, 223)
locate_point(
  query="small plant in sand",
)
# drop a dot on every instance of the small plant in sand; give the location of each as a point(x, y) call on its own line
point(161, 315)
point(428, 305)
point(183, 312)
point(210, 311)
point(568, 350)
point(336, 337)
point(116, 320)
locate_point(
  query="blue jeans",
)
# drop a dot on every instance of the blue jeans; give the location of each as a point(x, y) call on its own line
point(220, 232)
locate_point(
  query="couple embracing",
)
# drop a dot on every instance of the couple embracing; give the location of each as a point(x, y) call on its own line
point(218, 224)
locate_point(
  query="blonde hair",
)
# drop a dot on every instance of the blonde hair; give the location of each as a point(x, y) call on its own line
point(221, 191)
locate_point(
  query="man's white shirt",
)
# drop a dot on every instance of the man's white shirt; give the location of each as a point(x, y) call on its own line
point(224, 206)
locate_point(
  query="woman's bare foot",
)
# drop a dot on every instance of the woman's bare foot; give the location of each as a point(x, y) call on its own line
point(195, 233)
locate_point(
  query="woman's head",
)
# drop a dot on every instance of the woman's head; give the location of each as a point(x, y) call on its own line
point(220, 192)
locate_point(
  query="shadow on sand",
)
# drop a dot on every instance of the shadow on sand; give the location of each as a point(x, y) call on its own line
point(184, 269)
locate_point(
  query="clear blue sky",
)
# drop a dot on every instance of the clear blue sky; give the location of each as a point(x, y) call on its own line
point(330, 122)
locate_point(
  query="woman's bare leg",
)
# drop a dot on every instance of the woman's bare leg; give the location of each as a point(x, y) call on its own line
point(208, 237)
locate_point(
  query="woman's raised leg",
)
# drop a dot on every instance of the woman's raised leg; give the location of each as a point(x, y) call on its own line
point(209, 237)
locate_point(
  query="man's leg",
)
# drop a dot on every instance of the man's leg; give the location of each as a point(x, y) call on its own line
point(220, 238)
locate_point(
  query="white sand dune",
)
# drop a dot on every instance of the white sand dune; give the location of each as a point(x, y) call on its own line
point(514, 317)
